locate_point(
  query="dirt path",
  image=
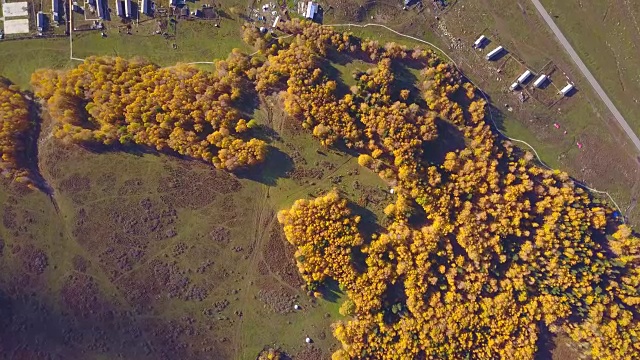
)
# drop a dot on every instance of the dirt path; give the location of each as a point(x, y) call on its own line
point(263, 220)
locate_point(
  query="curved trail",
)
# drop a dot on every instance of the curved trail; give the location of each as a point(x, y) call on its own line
point(581, 184)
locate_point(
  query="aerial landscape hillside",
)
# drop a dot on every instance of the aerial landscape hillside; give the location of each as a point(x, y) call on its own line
point(274, 188)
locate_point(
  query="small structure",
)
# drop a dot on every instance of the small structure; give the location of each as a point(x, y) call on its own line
point(567, 89)
point(308, 340)
point(296, 307)
point(312, 10)
point(276, 21)
point(55, 9)
point(184, 12)
point(120, 8)
point(478, 43)
point(128, 9)
point(41, 22)
point(494, 52)
point(144, 4)
point(16, 26)
point(540, 80)
point(514, 86)
point(524, 76)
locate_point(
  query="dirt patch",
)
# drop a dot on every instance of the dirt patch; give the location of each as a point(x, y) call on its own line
point(278, 255)
point(302, 174)
point(310, 353)
point(80, 264)
point(220, 235)
point(161, 280)
point(81, 296)
point(127, 232)
point(75, 183)
point(195, 186)
point(9, 218)
point(34, 260)
point(279, 300)
point(131, 187)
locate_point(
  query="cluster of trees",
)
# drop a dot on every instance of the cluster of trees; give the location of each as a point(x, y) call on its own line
point(332, 234)
point(504, 247)
point(14, 133)
point(182, 109)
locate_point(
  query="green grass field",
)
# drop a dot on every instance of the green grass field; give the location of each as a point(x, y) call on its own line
point(605, 35)
point(77, 266)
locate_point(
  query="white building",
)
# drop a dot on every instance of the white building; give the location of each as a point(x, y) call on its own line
point(540, 80)
point(494, 52)
point(565, 90)
point(312, 10)
point(478, 43)
point(524, 77)
point(514, 86)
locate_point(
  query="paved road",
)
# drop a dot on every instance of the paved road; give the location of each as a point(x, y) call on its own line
point(565, 43)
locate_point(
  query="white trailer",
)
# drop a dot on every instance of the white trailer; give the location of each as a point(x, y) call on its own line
point(540, 80)
point(514, 86)
point(565, 90)
point(524, 77)
point(478, 43)
point(276, 21)
point(494, 52)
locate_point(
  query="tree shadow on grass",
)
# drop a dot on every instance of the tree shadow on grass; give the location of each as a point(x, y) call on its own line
point(545, 343)
point(33, 327)
point(330, 290)
point(332, 73)
point(276, 165)
point(449, 139)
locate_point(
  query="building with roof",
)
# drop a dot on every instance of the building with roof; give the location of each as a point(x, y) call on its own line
point(128, 10)
point(120, 8)
point(41, 22)
point(55, 10)
point(312, 10)
point(523, 78)
point(540, 80)
point(493, 53)
point(102, 9)
point(566, 90)
point(479, 42)
point(144, 5)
